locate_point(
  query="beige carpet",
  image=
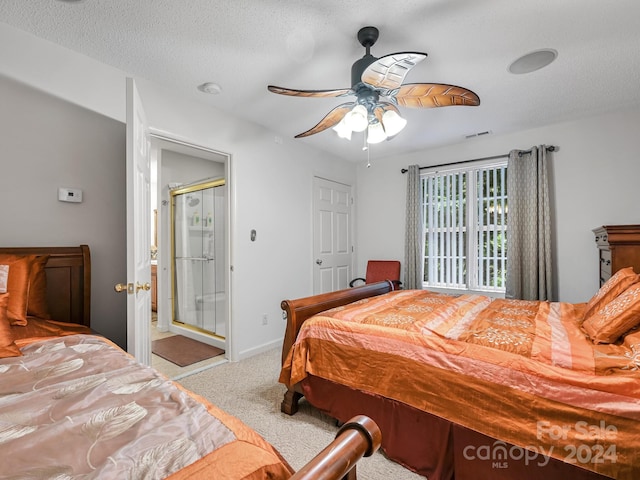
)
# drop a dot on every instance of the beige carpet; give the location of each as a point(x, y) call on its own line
point(249, 389)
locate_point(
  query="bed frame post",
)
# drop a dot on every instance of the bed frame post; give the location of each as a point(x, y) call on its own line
point(86, 284)
point(290, 401)
point(359, 437)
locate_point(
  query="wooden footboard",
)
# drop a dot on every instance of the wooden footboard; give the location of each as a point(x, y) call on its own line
point(359, 437)
point(299, 310)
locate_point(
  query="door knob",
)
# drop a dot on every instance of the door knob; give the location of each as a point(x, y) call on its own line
point(123, 287)
point(319, 262)
point(146, 286)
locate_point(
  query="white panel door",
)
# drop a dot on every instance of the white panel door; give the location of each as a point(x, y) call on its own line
point(138, 231)
point(332, 244)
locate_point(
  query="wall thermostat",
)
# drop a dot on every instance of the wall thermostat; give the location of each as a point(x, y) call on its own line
point(70, 195)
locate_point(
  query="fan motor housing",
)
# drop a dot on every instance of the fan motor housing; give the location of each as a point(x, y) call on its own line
point(358, 68)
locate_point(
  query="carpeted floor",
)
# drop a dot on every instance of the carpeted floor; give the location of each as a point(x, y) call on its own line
point(249, 389)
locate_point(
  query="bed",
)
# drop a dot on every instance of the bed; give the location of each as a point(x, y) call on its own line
point(468, 387)
point(73, 404)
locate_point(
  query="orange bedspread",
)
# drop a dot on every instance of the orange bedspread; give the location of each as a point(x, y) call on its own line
point(78, 406)
point(518, 371)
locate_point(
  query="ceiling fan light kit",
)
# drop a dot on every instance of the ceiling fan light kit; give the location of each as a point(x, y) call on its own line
point(393, 123)
point(357, 119)
point(376, 133)
point(378, 88)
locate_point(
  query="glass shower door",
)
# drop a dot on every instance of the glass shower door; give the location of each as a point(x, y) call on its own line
point(199, 258)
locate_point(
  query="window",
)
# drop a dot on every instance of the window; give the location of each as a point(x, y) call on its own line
point(465, 227)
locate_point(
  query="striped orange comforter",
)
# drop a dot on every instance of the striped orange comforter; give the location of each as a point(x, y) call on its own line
point(519, 371)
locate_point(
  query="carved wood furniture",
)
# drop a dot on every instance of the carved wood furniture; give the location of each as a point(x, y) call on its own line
point(618, 247)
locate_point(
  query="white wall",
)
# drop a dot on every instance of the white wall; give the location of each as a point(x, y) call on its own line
point(49, 143)
point(62, 72)
point(270, 183)
point(595, 182)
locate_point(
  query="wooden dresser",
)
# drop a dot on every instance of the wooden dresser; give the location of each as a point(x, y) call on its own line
point(618, 247)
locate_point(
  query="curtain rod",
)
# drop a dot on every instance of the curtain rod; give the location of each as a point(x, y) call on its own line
point(550, 148)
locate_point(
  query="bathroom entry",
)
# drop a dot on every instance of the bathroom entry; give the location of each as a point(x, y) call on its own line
point(199, 257)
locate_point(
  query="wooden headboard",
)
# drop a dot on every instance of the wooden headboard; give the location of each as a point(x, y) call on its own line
point(68, 273)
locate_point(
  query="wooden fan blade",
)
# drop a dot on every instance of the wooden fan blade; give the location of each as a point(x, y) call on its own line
point(388, 72)
point(431, 95)
point(310, 93)
point(330, 120)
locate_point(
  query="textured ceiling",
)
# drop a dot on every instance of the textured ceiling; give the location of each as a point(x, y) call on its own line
point(245, 45)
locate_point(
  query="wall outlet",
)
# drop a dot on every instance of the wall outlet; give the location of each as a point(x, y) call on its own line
point(265, 319)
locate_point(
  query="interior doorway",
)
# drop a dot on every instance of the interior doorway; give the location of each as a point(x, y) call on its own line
point(177, 164)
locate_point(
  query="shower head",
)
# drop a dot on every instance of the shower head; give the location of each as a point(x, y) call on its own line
point(193, 201)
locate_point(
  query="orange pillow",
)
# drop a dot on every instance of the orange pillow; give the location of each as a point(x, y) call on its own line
point(618, 283)
point(18, 286)
point(8, 347)
point(37, 302)
point(615, 318)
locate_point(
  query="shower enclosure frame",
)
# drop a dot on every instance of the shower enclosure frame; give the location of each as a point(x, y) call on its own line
point(182, 190)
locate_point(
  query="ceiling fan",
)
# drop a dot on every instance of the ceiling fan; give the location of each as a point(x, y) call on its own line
point(377, 85)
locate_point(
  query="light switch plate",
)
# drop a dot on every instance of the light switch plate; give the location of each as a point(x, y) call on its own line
point(70, 195)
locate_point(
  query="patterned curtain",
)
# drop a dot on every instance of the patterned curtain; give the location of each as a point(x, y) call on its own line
point(413, 247)
point(529, 268)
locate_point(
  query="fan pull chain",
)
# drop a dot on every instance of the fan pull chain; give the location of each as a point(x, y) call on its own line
point(365, 147)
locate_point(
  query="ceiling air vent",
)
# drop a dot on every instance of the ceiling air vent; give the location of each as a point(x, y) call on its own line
point(478, 134)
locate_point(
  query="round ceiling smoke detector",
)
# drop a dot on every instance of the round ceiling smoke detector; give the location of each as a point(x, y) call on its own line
point(533, 61)
point(210, 88)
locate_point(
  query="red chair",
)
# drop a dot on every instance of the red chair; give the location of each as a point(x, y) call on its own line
point(380, 270)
